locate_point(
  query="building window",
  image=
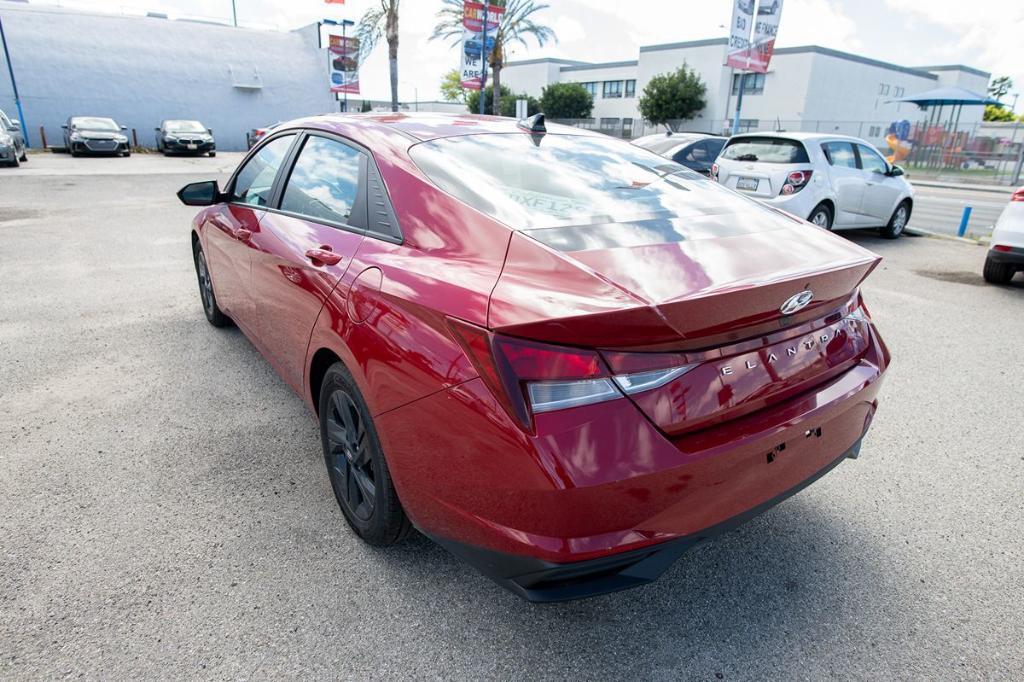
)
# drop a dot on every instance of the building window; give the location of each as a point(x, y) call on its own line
point(753, 83)
point(613, 88)
point(590, 87)
point(631, 88)
point(883, 88)
point(898, 92)
point(627, 127)
point(609, 123)
point(875, 131)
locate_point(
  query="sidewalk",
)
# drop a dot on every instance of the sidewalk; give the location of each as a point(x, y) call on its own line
point(925, 182)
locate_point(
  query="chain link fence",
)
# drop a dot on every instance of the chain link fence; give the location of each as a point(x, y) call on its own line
point(981, 153)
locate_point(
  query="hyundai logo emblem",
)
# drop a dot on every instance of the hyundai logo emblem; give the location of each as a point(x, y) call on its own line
point(796, 302)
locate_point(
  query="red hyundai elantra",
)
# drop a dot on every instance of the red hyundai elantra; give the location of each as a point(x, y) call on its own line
point(564, 358)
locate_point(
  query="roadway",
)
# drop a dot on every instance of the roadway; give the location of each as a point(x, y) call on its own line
point(939, 209)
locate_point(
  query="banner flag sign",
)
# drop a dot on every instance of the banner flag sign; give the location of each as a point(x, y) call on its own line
point(753, 55)
point(343, 53)
point(739, 33)
point(471, 59)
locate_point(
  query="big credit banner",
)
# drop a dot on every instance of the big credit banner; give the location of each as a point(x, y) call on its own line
point(472, 48)
point(753, 54)
point(343, 54)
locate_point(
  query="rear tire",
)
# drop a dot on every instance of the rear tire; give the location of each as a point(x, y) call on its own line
point(821, 216)
point(24, 155)
point(213, 313)
point(898, 221)
point(997, 273)
point(213, 154)
point(356, 466)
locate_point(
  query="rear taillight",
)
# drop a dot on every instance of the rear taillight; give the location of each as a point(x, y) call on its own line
point(1018, 195)
point(714, 171)
point(796, 181)
point(529, 377)
point(1002, 247)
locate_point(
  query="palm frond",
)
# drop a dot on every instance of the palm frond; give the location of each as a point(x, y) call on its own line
point(369, 30)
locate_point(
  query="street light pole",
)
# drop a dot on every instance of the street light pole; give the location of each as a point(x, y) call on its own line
point(14, 83)
point(234, 14)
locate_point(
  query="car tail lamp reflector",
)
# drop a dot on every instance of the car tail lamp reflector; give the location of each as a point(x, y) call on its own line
point(796, 181)
point(1002, 247)
point(714, 171)
point(1018, 195)
point(529, 377)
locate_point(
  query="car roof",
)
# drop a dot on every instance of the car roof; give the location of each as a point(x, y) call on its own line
point(423, 126)
point(801, 136)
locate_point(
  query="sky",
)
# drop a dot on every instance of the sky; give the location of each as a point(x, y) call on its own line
point(986, 34)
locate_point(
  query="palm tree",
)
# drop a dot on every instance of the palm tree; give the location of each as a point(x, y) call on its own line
point(517, 24)
point(378, 21)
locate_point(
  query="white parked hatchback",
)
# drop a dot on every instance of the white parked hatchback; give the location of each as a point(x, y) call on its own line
point(1006, 253)
point(833, 181)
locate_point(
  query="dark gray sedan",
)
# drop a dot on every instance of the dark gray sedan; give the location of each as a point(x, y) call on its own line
point(12, 142)
point(185, 137)
point(696, 151)
point(95, 135)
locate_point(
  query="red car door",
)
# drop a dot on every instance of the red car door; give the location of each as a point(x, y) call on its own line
point(305, 246)
point(231, 226)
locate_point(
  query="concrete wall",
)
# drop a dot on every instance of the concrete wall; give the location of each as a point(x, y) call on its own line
point(140, 70)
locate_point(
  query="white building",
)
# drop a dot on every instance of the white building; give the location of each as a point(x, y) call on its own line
point(806, 88)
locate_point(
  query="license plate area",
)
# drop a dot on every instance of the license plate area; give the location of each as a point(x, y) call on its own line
point(191, 146)
point(747, 184)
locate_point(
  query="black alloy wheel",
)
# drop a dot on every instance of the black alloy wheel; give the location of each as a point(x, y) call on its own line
point(355, 462)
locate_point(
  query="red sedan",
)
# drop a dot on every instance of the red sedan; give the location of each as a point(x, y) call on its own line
point(562, 357)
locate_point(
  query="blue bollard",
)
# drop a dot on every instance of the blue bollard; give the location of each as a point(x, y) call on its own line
point(964, 219)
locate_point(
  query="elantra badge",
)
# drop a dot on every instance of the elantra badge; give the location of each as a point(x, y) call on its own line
point(796, 302)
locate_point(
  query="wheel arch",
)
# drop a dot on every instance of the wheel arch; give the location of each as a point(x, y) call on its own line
point(321, 361)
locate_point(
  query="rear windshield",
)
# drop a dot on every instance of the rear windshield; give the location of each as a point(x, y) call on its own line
point(765, 150)
point(531, 182)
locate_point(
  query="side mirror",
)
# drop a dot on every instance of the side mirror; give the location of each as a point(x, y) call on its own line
point(205, 193)
point(64, 126)
point(210, 131)
point(124, 127)
point(156, 129)
point(896, 171)
point(15, 125)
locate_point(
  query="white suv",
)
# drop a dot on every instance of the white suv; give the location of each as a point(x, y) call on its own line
point(833, 181)
point(1006, 253)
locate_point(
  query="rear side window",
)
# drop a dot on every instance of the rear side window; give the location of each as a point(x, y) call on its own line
point(714, 147)
point(765, 150)
point(840, 154)
point(324, 183)
point(697, 153)
point(254, 182)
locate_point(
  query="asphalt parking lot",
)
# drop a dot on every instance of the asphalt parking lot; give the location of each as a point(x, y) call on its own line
point(165, 510)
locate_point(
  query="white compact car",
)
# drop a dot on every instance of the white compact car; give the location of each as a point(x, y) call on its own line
point(834, 181)
point(1006, 253)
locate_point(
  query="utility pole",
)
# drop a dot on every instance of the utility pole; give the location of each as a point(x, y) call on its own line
point(234, 14)
point(14, 83)
point(483, 63)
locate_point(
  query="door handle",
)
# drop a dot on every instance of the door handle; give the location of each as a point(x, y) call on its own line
point(242, 234)
point(323, 255)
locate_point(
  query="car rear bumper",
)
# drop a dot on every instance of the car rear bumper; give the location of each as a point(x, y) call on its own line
point(605, 481)
point(537, 580)
point(1015, 256)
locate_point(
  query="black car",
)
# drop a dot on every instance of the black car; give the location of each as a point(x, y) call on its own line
point(12, 142)
point(95, 135)
point(183, 136)
point(696, 151)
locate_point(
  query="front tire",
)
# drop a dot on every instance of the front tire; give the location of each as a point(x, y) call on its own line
point(213, 313)
point(355, 462)
point(997, 273)
point(821, 216)
point(213, 154)
point(897, 222)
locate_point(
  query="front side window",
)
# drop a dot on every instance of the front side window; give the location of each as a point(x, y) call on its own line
point(568, 181)
point(613, 88)
point(840, 154)
point(697, 153)
point(4, 121)
point(765, 150)
point(324, 183)
point(871, 161)
point(255, 181)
